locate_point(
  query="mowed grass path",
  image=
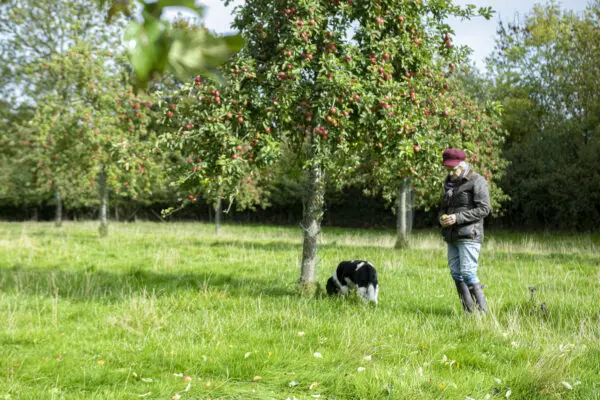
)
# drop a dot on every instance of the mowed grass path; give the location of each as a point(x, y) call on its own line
point(169, 311)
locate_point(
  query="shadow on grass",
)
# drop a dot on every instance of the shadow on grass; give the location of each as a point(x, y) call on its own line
point(105, 287)
point(281, 245)
point(91, 284)
point(574, 259)
point(271, 245)
point(96, 284)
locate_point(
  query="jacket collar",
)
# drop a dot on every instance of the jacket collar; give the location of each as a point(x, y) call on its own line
point(460, 184)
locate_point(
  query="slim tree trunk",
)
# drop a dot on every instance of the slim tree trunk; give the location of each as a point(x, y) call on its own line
point(312, 211)
point(401, 221)
point(103, 202)
point(58, 216)
point(218, 216)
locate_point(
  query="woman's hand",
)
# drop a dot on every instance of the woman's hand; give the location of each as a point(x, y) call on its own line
point(448, 220)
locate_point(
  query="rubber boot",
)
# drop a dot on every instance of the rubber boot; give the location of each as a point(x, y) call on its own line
point(477, 293)
point(465, 296)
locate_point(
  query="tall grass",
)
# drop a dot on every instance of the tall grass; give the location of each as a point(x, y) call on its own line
point(166, 311)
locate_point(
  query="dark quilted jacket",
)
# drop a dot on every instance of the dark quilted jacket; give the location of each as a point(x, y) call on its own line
point(470, 202)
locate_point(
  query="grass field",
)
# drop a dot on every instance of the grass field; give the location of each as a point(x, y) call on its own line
point(168, 311)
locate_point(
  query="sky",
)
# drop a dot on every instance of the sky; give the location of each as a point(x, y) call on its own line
point(477, 33)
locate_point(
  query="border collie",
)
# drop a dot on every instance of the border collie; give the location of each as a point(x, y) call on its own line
point(355, 274)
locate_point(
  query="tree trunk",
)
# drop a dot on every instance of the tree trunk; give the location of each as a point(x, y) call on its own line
point(58, 216)
point(402, 231)
point(34, 216)
point(312, 213)
point(103, 202)
point(218, 216)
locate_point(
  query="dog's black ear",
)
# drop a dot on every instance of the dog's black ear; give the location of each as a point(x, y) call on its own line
point(330, 287)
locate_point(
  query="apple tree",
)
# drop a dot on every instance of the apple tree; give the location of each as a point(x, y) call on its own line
point(34, 30)
point(55, 156)
point(97, 138)
point(16, 160)
point(345, 83)
point(209, 126)
point(448, 118)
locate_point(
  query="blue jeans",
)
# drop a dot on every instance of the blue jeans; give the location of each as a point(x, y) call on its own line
point(463, 261)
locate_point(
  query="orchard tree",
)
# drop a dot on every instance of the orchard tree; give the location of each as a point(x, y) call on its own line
point(409, 172)
point(210, 127)
point(98, 139)
point(58, 162)
point(16, 160)
point(34, 30)
point(450, 119)
point(36, 34)
point(345, 83)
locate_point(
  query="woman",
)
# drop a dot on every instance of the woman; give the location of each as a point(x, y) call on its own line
point(465, 204)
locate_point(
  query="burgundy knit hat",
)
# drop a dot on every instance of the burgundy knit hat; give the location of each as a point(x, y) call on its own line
point(453, 157)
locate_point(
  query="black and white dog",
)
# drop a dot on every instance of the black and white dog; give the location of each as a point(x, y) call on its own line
point(355, 274)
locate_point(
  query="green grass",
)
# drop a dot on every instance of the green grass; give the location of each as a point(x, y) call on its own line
point(129, 314)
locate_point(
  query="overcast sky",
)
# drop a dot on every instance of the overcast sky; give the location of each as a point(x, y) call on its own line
point(478, 33)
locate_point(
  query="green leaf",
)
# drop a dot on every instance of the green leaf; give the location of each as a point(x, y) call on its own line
point(199, 52)
point(155, 9)
point(140, 56)
point(191, 4)
point(146, 45)
point(486, 12)
point(234, 42)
